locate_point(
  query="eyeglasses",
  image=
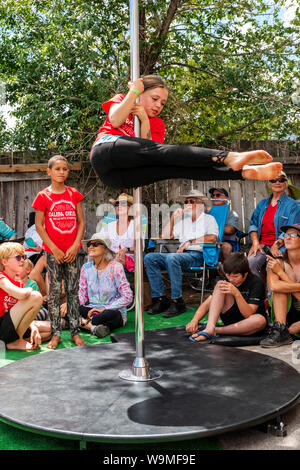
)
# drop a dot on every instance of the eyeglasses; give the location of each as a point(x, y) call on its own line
point(292, 235)
point(19, 257)
point(279, 180)
point(120, 203)
point(95, 244)
point(193, 201)
point(218, 195)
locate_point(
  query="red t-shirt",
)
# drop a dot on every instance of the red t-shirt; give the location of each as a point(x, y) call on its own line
point(6, 300)
point(60, 215)
point(157, 126)
point(268, 234)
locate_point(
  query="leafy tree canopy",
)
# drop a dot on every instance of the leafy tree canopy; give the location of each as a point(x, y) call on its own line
point(231, 66)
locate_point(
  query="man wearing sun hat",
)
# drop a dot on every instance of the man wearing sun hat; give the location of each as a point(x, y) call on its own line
point(284, 282)
point(191, 226)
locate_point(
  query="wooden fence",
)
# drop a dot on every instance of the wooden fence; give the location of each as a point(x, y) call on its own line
point(20, 183)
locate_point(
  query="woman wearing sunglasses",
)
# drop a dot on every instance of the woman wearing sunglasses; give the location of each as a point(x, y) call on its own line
point(266, 222)
point(18, 306)
point(121, 231)
point(104, 291)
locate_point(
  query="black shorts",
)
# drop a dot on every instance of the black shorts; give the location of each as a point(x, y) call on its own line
point(233, 315)
point(8, 333)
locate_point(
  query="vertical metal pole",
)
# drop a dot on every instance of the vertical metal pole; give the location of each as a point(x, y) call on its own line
point(140, 368)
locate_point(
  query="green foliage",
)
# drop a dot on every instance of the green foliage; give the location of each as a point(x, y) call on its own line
point(231, 68)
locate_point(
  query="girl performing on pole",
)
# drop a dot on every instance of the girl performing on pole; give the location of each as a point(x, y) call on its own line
point(122, 160)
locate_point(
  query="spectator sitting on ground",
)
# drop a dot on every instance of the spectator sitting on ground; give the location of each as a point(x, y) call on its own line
point(270, 214)
point(18, 306)
point(238, 300)
point(42, 320)
point(193, 227)
point(284, 281)
point(27, 282)
point(40, 276)
point(33, 242)
point(220, 197)
point(104, 292)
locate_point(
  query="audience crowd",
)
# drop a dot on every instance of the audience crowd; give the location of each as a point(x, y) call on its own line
point(43, 289)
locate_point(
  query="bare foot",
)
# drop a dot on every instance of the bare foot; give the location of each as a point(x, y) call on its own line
point(236, 160)
point(78, 340)
point(53, 343)
point(22, 345)
point(261, 172)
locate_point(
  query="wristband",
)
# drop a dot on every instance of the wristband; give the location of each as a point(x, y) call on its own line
point(135, 91)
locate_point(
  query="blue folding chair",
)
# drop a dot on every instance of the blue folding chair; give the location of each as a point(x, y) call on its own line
point(211, 251)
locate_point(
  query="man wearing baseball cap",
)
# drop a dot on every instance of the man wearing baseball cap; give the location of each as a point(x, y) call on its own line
point(284, 282)
point(192, 227)
point(220, 197)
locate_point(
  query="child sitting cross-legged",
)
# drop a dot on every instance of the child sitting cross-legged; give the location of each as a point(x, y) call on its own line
point(238, 300)
point(18, 306)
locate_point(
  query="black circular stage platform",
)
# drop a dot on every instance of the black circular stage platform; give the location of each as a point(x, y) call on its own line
point(205, 390)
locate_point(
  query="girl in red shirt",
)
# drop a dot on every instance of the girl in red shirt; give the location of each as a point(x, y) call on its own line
point(18, 306)
point(122, 160)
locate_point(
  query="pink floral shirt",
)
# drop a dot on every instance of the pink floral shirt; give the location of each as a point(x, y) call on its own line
point(107, 288)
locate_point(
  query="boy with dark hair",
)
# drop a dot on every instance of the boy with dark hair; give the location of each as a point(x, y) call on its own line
point(60, 224)
point(238, 300)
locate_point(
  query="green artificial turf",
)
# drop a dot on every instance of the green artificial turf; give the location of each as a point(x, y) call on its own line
point(12, 438)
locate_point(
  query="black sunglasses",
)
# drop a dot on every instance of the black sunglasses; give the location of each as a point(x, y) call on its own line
point(279, 180)
point(193, 201)
point(95, 244)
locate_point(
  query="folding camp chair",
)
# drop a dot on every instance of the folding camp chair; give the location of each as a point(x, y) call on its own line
point(211, 251)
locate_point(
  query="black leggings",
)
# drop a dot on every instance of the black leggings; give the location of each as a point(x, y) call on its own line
point(130, 162)
point(111, 318)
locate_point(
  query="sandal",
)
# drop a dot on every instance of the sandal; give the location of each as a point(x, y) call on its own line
point(209, 338)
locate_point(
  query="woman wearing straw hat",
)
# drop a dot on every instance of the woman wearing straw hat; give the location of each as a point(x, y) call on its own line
point(121, 231)
point(104, 291)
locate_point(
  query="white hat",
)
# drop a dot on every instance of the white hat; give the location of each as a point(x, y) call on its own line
point(198, 195)
point(96, 236)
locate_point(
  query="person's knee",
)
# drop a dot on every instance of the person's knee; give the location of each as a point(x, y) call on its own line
point(261, 322)
point(172, 259)
point(147, 259)
point(36, 298)
point(150, 259)
point(226, 249)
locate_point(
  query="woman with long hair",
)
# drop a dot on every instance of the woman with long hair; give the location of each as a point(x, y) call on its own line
point(122, 160)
